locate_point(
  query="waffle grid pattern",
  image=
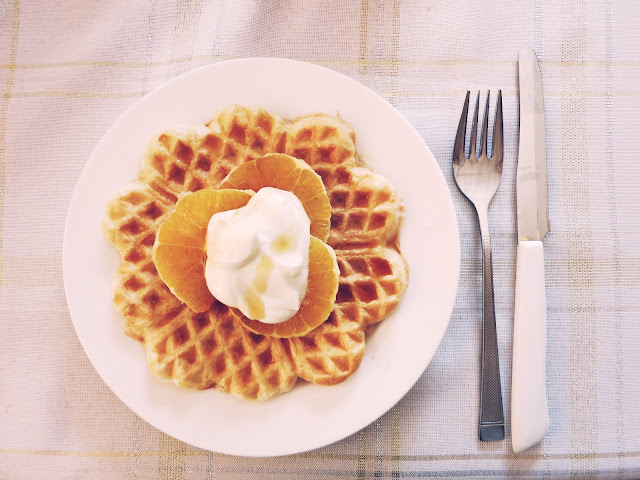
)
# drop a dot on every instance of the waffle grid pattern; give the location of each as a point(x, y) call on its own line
point(212, 349)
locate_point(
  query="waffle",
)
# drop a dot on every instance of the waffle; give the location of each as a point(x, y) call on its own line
point(189, 159)
point(372, 281)
point(321, 140)
point(365, 209)
point(130, 225)
point(332, 352)
point(212, 349)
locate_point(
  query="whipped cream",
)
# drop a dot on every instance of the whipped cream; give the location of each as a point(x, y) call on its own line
point(258, 256)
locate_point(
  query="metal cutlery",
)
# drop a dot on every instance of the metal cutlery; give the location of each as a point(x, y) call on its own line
point(529, 411)
point(478, 179)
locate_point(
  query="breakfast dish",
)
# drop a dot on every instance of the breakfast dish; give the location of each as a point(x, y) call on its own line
point(307, 416)
point(197, 341)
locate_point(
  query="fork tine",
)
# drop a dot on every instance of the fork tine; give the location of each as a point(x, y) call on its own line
point(485, 127)
point(497, 147)
point(458, 144)
point(474, 129)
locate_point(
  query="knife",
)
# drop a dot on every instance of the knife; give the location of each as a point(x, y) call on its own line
point(529, 411)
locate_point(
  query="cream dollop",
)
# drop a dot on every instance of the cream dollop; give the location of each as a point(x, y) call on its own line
point(258, 256)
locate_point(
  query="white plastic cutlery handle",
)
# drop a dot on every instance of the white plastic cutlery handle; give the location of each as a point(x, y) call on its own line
point(529, 411)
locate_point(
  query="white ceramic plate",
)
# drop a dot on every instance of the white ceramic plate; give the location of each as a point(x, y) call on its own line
point(397, 352)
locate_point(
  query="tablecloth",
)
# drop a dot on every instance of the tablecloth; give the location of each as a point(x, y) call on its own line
point(68, 70)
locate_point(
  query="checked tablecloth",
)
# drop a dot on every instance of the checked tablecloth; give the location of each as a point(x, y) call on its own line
point(69, 69)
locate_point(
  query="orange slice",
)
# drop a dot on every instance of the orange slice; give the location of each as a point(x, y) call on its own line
point(318, 302)
point(286, 173)
point(179, 249)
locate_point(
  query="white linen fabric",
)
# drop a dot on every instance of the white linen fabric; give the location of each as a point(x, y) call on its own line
point(69, 70)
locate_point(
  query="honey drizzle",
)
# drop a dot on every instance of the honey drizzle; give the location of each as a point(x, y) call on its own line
point(282, 243)
point(258, 286)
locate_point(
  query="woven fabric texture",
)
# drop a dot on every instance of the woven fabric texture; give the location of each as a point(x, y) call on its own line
point(68, 70)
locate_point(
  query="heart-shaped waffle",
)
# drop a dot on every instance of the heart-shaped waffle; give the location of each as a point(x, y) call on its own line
point(213, 349)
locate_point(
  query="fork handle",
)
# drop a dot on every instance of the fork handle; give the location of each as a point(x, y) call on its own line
point(491, 412)
point(529, 411)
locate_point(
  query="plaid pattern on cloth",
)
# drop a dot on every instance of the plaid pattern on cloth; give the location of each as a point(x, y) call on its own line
point(69, 70)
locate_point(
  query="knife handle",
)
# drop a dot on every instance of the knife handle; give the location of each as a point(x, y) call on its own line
point(529, 411)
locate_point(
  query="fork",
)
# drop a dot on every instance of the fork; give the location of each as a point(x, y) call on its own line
point(478, 179)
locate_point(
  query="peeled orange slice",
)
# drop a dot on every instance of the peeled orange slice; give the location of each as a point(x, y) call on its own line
point(179, 248)
point(318, 302)
point(286, 173)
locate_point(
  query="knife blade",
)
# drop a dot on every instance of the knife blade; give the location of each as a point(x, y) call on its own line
point(529, 410)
